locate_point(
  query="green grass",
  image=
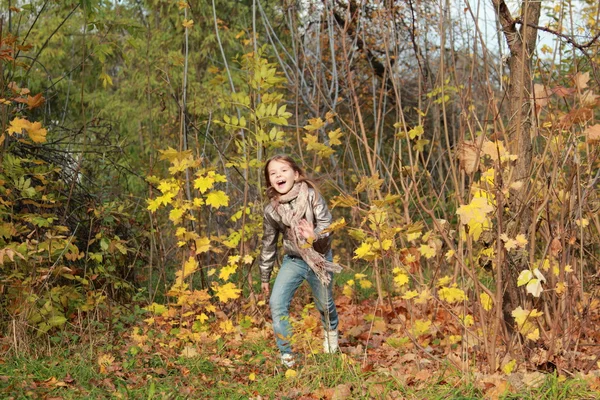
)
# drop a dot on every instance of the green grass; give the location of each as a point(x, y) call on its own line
point(74, 375)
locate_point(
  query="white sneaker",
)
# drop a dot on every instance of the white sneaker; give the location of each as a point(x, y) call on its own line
point(330, 342)
point(288, 360)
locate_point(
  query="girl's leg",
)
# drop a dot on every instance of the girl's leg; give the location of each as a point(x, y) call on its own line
point(289, 278)
point(323, 296)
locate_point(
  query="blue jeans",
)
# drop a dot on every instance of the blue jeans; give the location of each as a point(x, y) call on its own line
point(292, 273)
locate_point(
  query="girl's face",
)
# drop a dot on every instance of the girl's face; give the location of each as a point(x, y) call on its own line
point(281, 176)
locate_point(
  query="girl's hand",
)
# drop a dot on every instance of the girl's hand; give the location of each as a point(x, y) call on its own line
point(265, 289)
point(307, 230)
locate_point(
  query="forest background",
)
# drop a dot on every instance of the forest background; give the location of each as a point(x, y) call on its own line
point(457, 144)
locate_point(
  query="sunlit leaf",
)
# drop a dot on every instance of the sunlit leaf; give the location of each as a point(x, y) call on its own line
point(217, 199)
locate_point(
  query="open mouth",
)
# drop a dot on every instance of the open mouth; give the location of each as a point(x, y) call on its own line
point(280, 183)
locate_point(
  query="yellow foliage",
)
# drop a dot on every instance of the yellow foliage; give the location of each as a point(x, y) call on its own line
point(444, 281)
point(525, 322)
point(475, 216)
point(452, 294)
point(401, 279)
point(202, 245)
point(226, 326)
point(421, 327)
point(189, 267)
point(365, 284)
point(227, 292)
point(348, 291)
point(364, 251)
point(486, 301)
point(217, 198)
point(105, 361)
point(509, 367)
point(411, 294)
point(227, 271)
point(290, 373)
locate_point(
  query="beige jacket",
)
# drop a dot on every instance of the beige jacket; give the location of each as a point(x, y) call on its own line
point(272, 226)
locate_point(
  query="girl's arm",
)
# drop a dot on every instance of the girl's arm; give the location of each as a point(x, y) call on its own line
point(268, 253)
point(323, 220)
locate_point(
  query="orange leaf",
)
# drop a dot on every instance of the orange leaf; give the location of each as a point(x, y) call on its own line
point(593, 134)
point(35, 101)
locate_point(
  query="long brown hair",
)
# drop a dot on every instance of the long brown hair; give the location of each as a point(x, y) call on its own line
point(271, 192)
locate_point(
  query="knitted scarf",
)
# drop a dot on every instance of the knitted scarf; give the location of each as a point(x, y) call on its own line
point(291, 219)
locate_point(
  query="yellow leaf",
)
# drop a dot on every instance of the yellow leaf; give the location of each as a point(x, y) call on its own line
point(334, 137)
point(359, 276)
point(153, 204)
point(568, 268)
point(182, 4)
point(468, 320)
point(421, 327)
point(314, 124)
point(36, 133)
point(176, 214)
point(452, 294)
point(444, 281)
point(348, 291)
point(188, 23)
point(252, 376)
point(449, 254)
point(486, 301)
point(156, 308)
point(227, 271)
point(227, 292)
point(417, 131)
point(217, 198)
point(364, 251)
point(204, 183)
point(290, 373)
point(202, 245)
point(521, 240)
point(365, 284)
point(583, 222)
point(202, 318)
point(560, 288)
point(524, 277)
point(226, 326)
point(17, 126)
point(189, 267)
point(401, 279)
point(509, 367)
point(248, 259)
point(411, 294)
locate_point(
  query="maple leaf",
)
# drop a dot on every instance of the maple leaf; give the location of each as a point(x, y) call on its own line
point(486, 301)
point(401, 279)
point(36, 133)
point(227, 292)
point(468, 156)
point(153, 204)
point(217, 198)
point(592, 134)
point(176, 214)
point(542, 94)
point(444, 281)
point(365, 284)
point(182, 4)
point(248, 259)
point(509, 367)
point(334, 137)
point(202, 245)
point(348, 291)
point(188, 23)
point(314, 124)
point(189, 267)
point(421, 327)
point(452, 294)
point(204, 183)
point(35, 101)
point(364, 251)
point(411, 294)
point(17, 126)
point(227, 271)
point(468, 320)
point(417, 131)
point(427, 251)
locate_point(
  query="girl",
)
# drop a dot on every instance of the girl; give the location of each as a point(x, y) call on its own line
point(299, 212)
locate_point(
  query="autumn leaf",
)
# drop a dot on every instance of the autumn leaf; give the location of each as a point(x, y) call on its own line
point(35, 101)
point(417, 131)
point(452, 294)
point(188, 23)
point(189, 352)
point(314, 124)
point(486, 301)
point(36, 133)
point(202, 245)
point(468, 155)
point(581, 80)
point(176, 214)
point(364, 251)
point(17, 126)
point(290, 373)
point(334, 137)
point(592, 134)
point(227, 271)
point(105, 361)
point(227, 292)
point(427, 251)
point(217, 198)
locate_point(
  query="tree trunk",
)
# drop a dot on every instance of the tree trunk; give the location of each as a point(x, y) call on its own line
point(521, 43)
